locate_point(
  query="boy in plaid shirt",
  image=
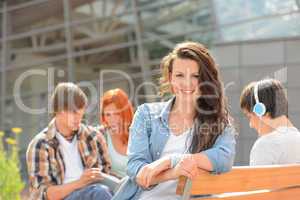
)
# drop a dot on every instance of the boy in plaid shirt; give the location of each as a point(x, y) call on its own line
point(65, 160)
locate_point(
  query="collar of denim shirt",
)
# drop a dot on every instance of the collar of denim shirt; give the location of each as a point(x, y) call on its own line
point(164, 115)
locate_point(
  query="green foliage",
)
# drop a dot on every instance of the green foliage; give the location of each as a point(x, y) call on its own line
point(11, 183)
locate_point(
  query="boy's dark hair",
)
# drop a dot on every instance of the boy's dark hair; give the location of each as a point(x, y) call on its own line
point(67, 97)
point(270, 92)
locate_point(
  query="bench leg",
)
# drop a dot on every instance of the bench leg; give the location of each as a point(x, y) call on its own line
point(187, 188)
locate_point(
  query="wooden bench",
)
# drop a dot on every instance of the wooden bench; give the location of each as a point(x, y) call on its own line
point(276, 182)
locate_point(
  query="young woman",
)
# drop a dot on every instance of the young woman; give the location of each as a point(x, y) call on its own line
point(190, 131)
point(116, 114)
point(279, 139)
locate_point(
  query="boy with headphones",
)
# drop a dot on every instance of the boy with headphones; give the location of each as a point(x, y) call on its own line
point(265, 105)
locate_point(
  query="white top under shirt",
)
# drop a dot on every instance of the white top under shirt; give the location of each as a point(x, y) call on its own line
point(71, 158)
point(167, 190)
point(119, 161)
point(281, 146)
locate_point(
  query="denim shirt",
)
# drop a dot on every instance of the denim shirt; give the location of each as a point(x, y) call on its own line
point(149, 133)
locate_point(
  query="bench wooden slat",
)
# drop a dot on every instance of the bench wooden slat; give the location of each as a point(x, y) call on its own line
point(286, 194)
point(241, 179)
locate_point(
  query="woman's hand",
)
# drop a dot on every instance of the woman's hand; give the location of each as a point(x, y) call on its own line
point(147, 173)
point(187, 166)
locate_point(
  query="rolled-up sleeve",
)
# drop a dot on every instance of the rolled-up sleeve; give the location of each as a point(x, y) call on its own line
point(222, 154)
point(138, 145)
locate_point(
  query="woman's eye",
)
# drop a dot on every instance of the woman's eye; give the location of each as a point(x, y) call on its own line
point(196, 76)
point(179, 75)
point(107, 114)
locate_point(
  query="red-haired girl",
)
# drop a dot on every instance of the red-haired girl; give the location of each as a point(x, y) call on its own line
point(116, 113)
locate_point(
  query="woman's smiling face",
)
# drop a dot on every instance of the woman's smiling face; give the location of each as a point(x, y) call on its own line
point(184, 79)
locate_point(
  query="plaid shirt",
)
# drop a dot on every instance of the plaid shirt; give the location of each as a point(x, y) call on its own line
point(45, 162)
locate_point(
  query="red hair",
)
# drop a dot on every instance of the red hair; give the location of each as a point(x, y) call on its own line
point(120, 99)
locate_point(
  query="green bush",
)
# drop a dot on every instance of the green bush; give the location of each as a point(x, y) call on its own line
point(11, 183)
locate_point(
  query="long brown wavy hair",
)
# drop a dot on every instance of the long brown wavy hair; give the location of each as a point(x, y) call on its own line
point(212, 114)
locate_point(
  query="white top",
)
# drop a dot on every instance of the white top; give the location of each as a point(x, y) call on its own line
point(119, 161)
point(281, 146)
point(167, 190)
point(71, 157)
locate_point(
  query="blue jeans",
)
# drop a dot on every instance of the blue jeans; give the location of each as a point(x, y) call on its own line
point(91, 192)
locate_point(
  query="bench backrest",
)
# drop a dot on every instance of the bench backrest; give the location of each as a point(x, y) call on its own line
point(270, 180)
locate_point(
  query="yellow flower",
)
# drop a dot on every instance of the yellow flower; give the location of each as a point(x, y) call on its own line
point(1, 133)
point(11, 141)
point(16, 130)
